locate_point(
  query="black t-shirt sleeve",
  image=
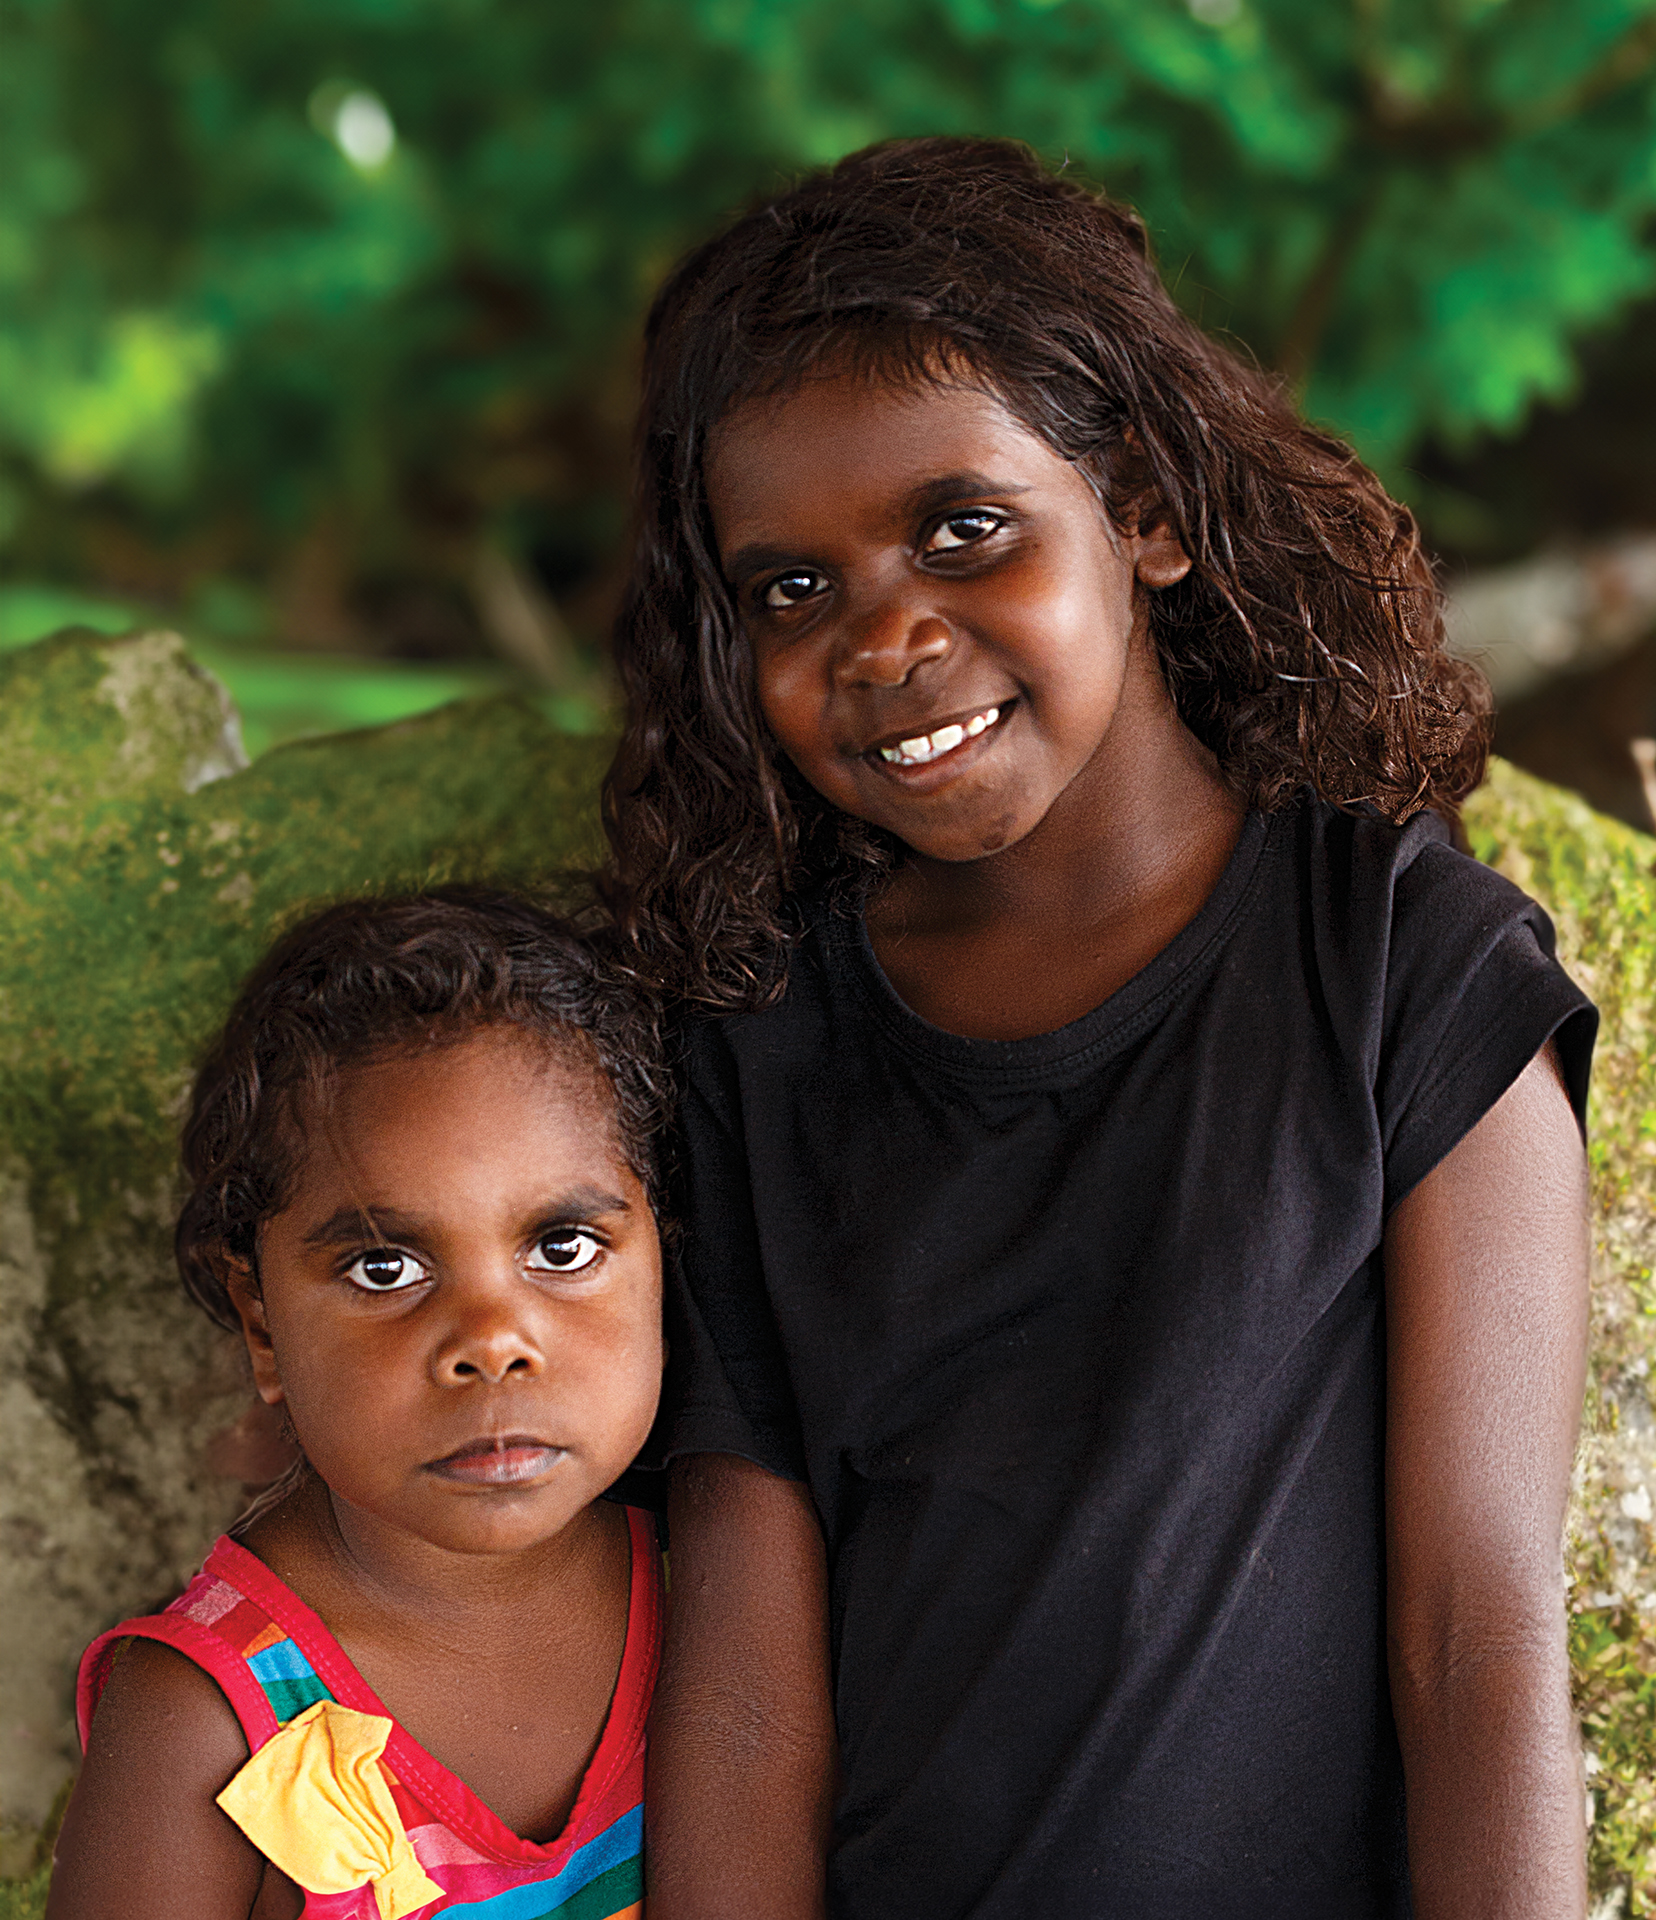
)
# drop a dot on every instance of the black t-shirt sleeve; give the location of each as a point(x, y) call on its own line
point(727, 1388)
point(1473, 992)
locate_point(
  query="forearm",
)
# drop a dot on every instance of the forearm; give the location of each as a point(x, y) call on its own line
point(742, 1752)
point(1492, 1774)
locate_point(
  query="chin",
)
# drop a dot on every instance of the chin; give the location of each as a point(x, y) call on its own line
point(962, 848)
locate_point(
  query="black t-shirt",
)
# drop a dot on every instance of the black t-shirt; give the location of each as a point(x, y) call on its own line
point(1078, 1342)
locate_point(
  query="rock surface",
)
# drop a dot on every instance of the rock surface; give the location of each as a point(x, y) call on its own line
point(143, 869)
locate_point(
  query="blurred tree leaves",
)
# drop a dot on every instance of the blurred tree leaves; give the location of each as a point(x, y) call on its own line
point(213, 316)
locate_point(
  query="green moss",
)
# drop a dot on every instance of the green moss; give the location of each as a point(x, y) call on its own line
point(289, 695)
point(25, 1899)
point(156, 909)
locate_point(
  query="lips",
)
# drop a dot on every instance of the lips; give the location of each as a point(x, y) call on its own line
point(498, 1460)
point(923, 749)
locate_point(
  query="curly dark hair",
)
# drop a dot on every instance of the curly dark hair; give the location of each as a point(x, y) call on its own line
point(1305, 645)
point(367, 979)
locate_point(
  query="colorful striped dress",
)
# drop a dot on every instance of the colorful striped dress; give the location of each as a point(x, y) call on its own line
point(379, 1829)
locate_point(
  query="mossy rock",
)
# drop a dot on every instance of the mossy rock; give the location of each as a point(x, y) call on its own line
point(141, 875)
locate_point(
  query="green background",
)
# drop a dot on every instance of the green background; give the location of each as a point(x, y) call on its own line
point(284, 392)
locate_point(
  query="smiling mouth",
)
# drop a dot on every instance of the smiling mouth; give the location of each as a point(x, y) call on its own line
point(923, 748)
point(499, 1460)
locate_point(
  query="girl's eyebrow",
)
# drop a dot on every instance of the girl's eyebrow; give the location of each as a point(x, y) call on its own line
point(348, 1225)
point(757, 559)
point(949, 489)
point(930, 496)
point(581, 1203)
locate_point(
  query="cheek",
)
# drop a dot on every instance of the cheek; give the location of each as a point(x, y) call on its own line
point(345, 1379)
point(618, 1363)
point(1070, 599)
point(795, 699)
point(627, 1352)
point(789, 699)
point(1082, 640)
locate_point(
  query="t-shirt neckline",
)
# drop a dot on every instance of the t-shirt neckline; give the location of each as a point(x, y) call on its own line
point(1113, 1023)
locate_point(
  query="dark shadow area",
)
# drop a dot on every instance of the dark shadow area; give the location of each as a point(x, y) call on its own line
point(1575, 731)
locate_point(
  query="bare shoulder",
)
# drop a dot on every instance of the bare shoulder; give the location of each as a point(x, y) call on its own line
point(157, 1694)
point(142, 1837)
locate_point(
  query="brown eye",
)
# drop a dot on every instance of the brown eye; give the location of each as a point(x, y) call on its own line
point(789, 589)
point(385, 1271)
point(564, 1250)
point(963, 530)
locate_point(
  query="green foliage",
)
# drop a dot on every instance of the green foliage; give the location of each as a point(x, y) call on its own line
point(206, 300)
point(1614, 1663)
point(284, 697)
point(31, 613)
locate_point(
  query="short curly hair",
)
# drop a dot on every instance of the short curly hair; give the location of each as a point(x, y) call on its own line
point(374, 978)
point(1304, 647)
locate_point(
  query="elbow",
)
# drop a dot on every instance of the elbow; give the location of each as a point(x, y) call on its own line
point(1473, 1655)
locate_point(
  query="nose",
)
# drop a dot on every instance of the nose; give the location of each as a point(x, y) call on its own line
point(890, 642)
point(486, 1340)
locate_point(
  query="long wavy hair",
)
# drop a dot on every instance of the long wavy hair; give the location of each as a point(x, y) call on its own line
point(1304, 646)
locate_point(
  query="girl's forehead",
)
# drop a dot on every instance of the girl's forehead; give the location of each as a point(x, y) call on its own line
point(489, 1090)
point(847, 432)
point(845, 396)
point(499, 1054)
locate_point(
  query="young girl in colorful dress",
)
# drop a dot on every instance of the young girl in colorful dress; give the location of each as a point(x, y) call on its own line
point(416, 1680)
point(1128, 1343)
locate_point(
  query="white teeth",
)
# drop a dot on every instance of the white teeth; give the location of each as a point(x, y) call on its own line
point(932, 746)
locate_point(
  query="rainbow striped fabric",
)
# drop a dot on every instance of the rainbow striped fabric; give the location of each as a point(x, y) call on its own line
point(273, 1658)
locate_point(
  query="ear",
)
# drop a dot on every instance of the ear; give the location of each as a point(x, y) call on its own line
point(245, 1297)
point(1158, 558)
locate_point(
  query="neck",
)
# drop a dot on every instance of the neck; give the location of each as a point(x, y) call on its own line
point(354, 1568)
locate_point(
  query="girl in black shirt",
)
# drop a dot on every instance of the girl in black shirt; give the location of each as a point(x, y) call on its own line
point(1130, 1325)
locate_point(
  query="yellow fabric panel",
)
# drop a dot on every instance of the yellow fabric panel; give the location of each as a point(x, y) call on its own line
point(314, 1802)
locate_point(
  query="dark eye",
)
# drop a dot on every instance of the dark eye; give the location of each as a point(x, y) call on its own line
point(385, 1271)
point(564, 1250)
point(962, 530)
point(789, 589)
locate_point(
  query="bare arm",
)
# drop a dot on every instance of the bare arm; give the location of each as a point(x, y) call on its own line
point(1486, 1265)
point(142, 1839)
point(742, 1753)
